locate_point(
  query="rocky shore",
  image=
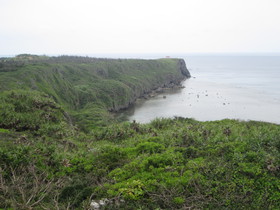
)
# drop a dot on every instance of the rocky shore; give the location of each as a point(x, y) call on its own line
point(159, 90)
point(170, 83)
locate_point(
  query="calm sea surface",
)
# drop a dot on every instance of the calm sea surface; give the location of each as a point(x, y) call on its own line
point(234, 87)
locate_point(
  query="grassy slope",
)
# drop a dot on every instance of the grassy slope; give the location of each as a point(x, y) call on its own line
point(88, 87)
point(46, 162)
point(167, 164)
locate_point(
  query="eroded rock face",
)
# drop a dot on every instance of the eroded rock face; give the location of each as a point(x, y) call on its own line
point(183, 68)
point(170, 81)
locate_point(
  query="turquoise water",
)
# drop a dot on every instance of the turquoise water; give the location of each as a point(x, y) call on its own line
point(234, 87)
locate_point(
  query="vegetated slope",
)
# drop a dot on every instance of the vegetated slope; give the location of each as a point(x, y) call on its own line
point(89, 87)
point(167, 164)
point(46, 162)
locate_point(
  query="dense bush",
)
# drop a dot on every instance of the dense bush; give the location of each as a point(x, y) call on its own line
point(31, 111)
point(216, 165)
point(217, 169)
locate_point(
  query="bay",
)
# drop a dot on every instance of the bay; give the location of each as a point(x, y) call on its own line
point(221, 87)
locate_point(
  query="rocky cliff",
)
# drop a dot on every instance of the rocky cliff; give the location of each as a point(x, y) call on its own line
point(183, 68)
point(89, 87)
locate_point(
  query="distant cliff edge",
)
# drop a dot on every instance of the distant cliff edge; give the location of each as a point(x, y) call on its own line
point(87, 88)
point(183, 68)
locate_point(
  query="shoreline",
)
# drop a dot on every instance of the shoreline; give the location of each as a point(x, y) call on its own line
point(206, 101)
point(169, 82)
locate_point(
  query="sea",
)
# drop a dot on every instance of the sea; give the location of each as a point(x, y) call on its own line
point(221, 87)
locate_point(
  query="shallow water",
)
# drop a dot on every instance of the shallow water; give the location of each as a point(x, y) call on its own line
point(245, 88)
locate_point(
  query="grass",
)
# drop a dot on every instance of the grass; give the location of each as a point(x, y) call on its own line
point(61, 148)
point(167, 164)
point(79, 82)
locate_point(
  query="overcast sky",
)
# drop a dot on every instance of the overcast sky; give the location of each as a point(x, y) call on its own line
point(139, 26)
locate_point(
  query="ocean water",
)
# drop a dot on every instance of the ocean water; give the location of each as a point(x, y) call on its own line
point(232, 87)
point(259, 73)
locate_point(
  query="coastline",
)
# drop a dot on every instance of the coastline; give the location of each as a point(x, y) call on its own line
point(206, 101)
point(170, 82)
point(244, 88)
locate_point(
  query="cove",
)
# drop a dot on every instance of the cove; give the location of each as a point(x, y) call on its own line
point(221, 88)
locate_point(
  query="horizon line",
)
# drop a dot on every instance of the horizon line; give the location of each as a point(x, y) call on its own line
point(152, 54)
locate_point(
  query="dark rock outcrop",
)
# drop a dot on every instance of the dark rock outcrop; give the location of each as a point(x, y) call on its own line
point(183, 68)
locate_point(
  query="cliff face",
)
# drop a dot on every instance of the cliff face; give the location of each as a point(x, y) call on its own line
point(168, 76)
point(183, 68)
point(86, 86)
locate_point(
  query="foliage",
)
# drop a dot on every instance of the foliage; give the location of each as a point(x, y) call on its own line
point(188, 164)
point(54, 156)
point(88, 87)
point(31, 111)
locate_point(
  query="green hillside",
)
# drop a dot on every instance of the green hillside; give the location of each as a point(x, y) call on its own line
point(61, 148)
point(89, 87)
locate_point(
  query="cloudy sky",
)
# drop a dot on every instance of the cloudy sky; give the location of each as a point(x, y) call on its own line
point(139, 26)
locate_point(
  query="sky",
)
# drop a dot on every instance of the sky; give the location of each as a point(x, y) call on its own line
point(139, 26)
